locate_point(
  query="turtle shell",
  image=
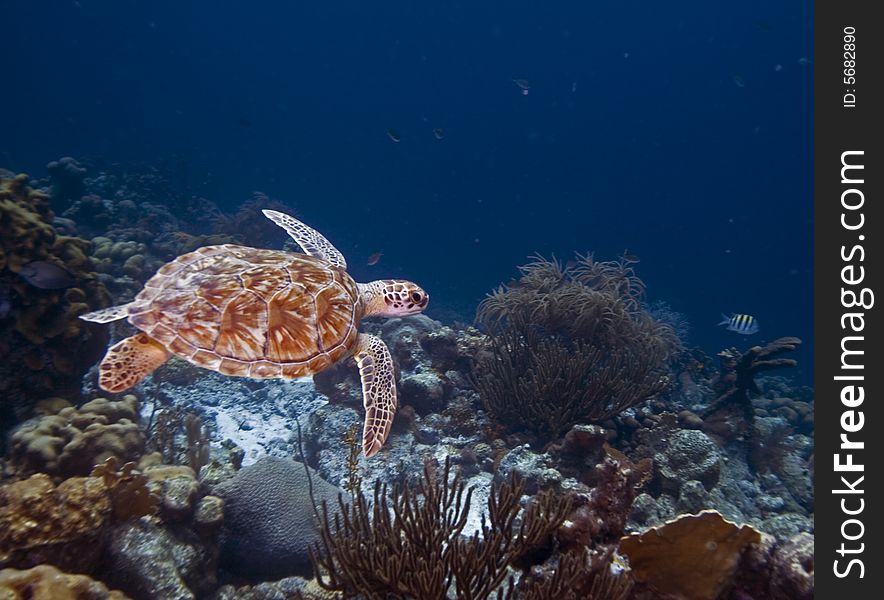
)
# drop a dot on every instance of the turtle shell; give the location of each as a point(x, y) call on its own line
point(251, 312)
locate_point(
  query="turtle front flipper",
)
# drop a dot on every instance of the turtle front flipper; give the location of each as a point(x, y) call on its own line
point(129, 361)
point(310, 240)
point(106, 315)
point(378, 391)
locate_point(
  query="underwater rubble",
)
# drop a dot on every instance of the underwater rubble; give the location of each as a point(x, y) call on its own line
point(544, 453)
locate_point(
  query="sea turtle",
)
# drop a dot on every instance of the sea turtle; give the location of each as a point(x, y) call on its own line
point(263, 314)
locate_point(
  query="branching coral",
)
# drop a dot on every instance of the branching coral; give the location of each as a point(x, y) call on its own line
point(127, 488)
point(180, 437)
point(570, 344)
point(732, 413)
point(197, 436)
point(569, 582)
point(408, 542)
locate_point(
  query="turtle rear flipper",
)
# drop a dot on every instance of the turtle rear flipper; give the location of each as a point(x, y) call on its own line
point(129, 361)
point(106, 315)
point(378, 391)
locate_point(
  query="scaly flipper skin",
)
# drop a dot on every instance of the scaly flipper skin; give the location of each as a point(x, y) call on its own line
point(378, 391)
point(310, 240)
point(130, 361)
point(106, 315)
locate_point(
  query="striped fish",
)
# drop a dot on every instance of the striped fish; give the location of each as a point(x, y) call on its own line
point(744, 324)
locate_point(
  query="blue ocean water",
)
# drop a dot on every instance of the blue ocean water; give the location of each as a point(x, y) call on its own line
point(680, 132)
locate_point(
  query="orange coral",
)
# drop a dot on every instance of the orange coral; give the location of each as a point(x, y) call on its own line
point(666, 558)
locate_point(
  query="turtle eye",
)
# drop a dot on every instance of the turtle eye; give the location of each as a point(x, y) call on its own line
point(416, 297)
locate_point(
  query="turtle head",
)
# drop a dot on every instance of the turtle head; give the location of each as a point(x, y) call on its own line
point(393, 298)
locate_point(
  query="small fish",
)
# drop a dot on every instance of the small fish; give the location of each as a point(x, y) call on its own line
point(394, 135)
point(438, 133)
point(778, 67)
point(631, 258)
point(523, 85)
point(374, 258)
point(743, 324)
point(46, 275)
point(739, 81)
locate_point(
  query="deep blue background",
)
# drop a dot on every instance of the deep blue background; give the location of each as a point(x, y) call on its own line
point(661, 128)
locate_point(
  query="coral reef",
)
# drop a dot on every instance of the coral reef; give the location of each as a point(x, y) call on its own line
point(568, 345)
point(621, 421)
point(270, 518)
point(46, 349)
point(74, 440)
point(45, 581)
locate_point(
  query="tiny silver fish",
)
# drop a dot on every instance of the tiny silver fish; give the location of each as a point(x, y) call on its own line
point(523, 85)
point(743, 324)
point(46, 275)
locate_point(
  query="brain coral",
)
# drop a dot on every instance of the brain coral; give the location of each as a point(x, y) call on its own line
point(269, 521)
point(45, 348)
point(74, 440)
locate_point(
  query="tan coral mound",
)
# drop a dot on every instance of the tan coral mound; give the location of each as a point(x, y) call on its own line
point(74, 440)
point(48, 583)
point(43, 523)
point(692, 557)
